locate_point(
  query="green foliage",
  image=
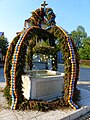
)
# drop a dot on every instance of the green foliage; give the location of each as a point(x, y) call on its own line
point(76, 96)
point(78, 35)
point(39, 15)
point(59, 35)
point(85, 50)
point(42, 105)
point(47, 50)
point(29, 58)
point(6, 92)
point(8, 59)
point(3, 45)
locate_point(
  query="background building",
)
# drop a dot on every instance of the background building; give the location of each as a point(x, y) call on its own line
point(1, 34)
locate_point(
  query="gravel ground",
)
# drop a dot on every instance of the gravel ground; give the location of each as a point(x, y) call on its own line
point(3, 101)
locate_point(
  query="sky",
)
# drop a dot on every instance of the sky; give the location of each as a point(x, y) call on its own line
point(69, 14)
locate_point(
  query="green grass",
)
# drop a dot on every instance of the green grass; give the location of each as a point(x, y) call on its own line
point(81, 65)
point(84, 66)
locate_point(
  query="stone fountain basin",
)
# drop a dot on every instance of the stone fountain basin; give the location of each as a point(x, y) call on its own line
point(42, 85)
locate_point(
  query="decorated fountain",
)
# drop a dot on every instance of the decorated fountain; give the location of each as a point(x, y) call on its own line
point(14, 69)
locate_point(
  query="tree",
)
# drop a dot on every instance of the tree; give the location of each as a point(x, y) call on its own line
point(78, 36)
point(85, 50)
point(3, 45)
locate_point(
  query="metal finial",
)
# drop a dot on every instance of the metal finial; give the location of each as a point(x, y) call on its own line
point(44, 4)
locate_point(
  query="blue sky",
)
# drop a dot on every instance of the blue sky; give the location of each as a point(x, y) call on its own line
point(69, 14)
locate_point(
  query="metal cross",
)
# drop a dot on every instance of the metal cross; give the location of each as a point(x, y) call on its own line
point(44, 4)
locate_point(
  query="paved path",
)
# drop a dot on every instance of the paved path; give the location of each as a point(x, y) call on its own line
point(84, 84)
point(84, 117)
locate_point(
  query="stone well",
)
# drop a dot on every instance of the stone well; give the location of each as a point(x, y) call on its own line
point(42, 84)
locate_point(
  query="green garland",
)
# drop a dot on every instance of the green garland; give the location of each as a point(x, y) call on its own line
point(67, 62)
point(40, 15)
point(8, 59)
point(21, 62)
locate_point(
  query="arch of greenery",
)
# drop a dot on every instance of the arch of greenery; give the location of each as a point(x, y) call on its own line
point(13, 74)
point(15, 57)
